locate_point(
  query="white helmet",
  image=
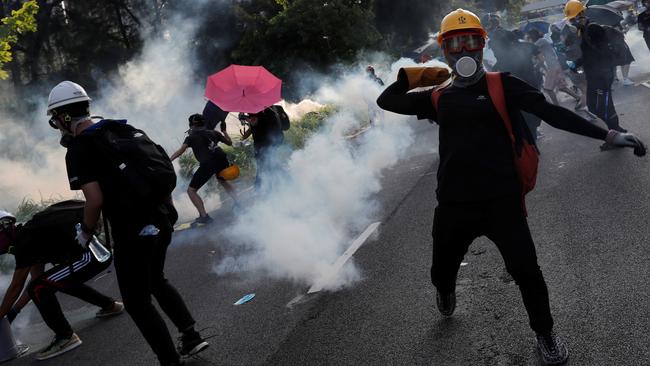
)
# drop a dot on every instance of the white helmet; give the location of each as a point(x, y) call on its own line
point(66, 92)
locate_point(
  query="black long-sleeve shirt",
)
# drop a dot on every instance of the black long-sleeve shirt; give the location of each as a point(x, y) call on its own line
point(476, 157)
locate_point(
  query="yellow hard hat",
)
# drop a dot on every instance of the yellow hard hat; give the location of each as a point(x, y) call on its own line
point(230, 173)
point(573, 8)
point(460, 19)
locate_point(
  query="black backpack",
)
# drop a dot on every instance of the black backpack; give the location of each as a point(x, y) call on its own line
point(143, 169)
point(57, 224)
point(281, 117)
point(617, 48)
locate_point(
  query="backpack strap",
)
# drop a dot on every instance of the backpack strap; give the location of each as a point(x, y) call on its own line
point(437, 92)
point(498, 97)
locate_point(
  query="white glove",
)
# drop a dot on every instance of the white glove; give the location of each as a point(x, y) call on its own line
point(83, 239)
point(626, 140)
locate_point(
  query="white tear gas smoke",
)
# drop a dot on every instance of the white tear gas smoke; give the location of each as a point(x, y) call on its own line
point(323, 197)
point(640, 68)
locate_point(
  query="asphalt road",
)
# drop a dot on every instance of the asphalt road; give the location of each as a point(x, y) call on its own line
point(588, 216)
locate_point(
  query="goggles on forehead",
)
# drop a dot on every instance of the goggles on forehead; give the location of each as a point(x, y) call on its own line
point(465, 41)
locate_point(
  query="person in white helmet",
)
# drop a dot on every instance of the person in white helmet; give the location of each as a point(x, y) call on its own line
point(138, 207)
point(48, 238)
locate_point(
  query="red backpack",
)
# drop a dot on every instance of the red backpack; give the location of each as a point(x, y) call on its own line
point(525, 151)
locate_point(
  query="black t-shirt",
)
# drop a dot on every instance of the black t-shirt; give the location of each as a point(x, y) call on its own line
point(476, 157)
point(86, 163)
point(597, 62)
point(204, 144)
point(54, 245)
point(267, 132)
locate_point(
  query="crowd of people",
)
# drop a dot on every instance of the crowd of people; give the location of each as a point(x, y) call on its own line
point(488, 118)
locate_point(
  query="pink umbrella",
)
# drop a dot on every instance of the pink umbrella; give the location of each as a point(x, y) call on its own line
point(247, 89)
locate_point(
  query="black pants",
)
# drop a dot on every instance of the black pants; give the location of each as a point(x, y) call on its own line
point(600, 103)
point(646, 36)
point(139, 266)
point(68, 278)
point(455, 226)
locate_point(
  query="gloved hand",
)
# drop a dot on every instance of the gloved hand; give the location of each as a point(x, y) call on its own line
point(419, 77)
point(12, 314)
point(626, 140)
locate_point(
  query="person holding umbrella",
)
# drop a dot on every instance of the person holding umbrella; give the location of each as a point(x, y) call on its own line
point(252, 90)
point(487, 164)
point(212, 162)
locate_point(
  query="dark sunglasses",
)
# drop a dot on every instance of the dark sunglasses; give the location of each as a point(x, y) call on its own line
point(460, 42)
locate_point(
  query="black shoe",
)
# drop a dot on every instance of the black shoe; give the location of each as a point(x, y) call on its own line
point(202, 220)
point(446, 303)
point(552, 349)
point(191, 343)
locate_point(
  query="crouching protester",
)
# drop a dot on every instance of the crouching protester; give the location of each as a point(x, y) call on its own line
point(487, 163)
point(49, 238)
point(212, 162)
point(128, 178)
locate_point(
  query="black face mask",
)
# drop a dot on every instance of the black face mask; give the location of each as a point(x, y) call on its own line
point(467, 66)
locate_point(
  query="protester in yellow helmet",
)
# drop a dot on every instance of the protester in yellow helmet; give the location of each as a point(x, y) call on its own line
point(573, 8)
point(482, 165)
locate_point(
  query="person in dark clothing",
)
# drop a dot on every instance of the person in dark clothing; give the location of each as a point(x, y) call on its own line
point(374, 113)
point(141, 230)
point(266, 130)
point(33, 247)
point(212, 160)
point(643, 22)
point(500, 42)
point(479, 191)
point(599, 65)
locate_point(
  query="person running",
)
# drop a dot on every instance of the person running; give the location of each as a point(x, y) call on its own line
point(212, 160)
point(141, 220)
point(571, 41)
point(599, 66)
point(268, 136)
point(480, 192)
point(37, 243)
point(643, 22)
point(553, 72)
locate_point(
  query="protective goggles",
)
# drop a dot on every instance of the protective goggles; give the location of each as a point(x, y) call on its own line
point(458, 42)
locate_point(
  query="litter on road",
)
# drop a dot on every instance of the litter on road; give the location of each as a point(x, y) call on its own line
point(245, 299)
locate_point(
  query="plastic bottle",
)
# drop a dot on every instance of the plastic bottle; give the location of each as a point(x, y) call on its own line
point(96, 248)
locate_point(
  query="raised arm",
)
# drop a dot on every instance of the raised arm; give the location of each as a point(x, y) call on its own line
point(397, 99)
point(178, 152)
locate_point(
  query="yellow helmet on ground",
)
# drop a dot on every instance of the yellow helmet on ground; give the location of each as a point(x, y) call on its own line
point(460, 19)
point(573, 8)
point(230, 173)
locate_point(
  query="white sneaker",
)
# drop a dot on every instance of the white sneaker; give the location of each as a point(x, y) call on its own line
point(628, 82)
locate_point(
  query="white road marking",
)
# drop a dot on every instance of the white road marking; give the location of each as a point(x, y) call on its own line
point(646, 84)
point(340, 262)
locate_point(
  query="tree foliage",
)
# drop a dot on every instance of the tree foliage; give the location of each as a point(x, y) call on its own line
point(18, 22)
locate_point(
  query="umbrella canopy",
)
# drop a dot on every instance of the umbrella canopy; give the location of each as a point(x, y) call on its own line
point(538, 25)
point(620, 4)
point(604, 15)
point(248, 89)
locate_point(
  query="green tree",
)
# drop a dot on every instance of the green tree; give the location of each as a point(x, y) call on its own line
point(18, 22)
point(310, 33)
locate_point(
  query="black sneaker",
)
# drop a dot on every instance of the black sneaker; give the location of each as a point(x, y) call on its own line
point(202, 220)
point(191, 343)
point(446, 303)
point(552, 349)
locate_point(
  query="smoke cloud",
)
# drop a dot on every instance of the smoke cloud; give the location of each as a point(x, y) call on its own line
point(326, 196)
